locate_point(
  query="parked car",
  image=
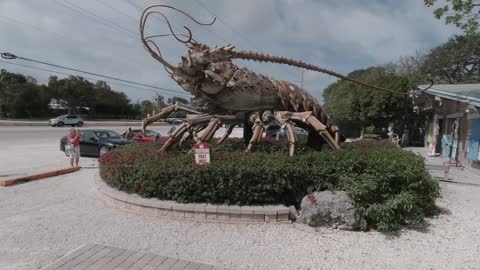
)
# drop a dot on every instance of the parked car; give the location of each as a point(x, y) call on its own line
point(138, 136)
point(96, 142)
point(71, 120)
point(174, 121)
point(274, 131)
point(301, 133)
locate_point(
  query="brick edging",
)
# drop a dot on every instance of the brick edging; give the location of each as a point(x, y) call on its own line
point(191, 211)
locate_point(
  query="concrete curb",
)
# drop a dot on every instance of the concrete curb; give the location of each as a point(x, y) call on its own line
point(10, 182)
point(191, 211)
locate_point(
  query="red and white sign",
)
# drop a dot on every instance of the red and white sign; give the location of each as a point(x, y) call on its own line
point(202, 153)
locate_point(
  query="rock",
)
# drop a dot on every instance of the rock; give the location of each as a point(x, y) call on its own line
point(327, 208)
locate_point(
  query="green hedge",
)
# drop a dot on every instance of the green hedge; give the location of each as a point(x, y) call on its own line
point(389, 185)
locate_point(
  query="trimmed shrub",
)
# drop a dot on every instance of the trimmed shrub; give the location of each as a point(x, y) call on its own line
point(389, 185)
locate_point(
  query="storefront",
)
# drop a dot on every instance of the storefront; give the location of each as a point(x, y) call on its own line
point(452, 126)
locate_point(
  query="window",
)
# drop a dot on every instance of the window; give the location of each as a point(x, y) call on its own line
point(107, 134)
point(71, 117)
point(150, 133)
point(86, 135)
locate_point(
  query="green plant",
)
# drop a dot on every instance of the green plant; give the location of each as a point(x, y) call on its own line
point(390, 185)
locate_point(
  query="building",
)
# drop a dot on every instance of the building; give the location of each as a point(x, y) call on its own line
point(452, 122)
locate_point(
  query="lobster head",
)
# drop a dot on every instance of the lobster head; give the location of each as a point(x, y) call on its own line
point(191, 70)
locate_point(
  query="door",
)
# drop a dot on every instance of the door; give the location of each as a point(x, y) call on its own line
point(88, 143)
point(71, 120)
point(474, 140)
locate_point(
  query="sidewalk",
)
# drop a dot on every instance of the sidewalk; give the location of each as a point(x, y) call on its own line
point(88, 123)
point(456, 174)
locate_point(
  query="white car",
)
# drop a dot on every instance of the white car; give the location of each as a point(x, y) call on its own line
point(69, 120)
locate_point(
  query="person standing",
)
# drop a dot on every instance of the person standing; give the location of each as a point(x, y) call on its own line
point(129, 134)
point(73, 139)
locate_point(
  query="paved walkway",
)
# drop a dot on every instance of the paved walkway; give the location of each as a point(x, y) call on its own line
point(455, 174)
point(100, 257)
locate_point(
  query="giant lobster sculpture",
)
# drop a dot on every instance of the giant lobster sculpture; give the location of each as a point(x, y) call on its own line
point(226, 94)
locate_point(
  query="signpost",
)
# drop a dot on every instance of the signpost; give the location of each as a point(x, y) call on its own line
point(202, 153)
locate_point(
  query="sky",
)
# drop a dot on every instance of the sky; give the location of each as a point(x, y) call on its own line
point(102, 36)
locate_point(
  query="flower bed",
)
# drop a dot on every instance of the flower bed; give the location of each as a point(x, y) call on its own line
point(389, 185)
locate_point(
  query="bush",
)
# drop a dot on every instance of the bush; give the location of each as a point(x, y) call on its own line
point(389, 185)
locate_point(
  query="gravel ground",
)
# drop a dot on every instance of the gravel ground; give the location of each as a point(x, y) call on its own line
point(41, 221)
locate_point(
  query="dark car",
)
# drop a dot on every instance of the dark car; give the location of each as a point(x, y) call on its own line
point(138, 136)
point(96, 142)
point(272, 130)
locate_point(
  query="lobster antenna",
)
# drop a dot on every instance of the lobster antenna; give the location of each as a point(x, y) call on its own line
point(282, 60)
point(147, 40)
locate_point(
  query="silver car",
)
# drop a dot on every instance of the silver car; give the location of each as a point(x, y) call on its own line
point(69, 120)
point(301, 134)
point(280, 133)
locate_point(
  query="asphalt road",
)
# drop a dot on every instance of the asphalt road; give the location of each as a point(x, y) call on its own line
point(33, 149)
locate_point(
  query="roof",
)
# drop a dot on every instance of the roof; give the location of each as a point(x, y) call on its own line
point(468, 93)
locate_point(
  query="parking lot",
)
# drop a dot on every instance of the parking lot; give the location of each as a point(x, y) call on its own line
point(33, 149)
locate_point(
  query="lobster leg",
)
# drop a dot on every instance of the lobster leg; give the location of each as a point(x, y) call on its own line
point(291, 137)
point(177, 135)
point(318, 126)
point(207, 134)
point(165, 112)
point(189, 135)
point(336, 131)
point(322, 130)
point(227, 133)
point(258, 129)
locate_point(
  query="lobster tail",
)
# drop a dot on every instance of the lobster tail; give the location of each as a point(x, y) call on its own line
point(291, 62)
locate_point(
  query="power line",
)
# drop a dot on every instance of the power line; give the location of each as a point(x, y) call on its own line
point(208, 29)
point(163, 22)
point(15, 21)
point(118, 11)
point(21, 23)
point(103, 21)
point(10, 56)
point(90, 78)
point(108, 23)
point(238, 33)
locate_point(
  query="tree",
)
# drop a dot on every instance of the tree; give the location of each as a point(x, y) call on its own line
point(177, 99)
point(456, 61)
point(21, 96)
point(354, 107)
point(73, 92)
point(465, 14)
point(178, 114)
point(11, 86)
point(147, 107)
